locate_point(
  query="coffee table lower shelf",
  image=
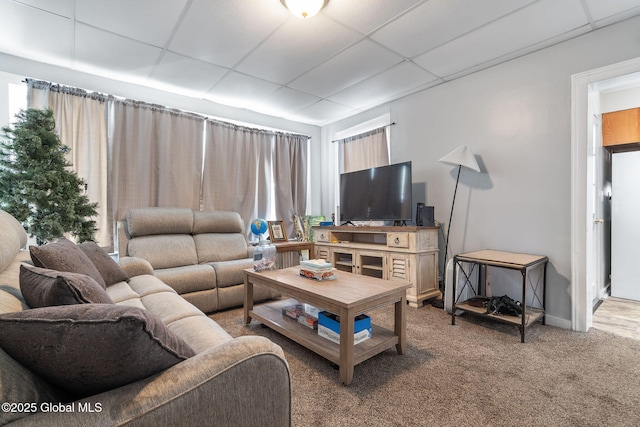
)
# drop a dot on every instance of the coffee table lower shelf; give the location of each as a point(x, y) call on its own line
point(270, 314)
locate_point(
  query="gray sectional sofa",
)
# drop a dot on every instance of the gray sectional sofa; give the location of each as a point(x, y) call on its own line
point(124, 349)
point(200, 254)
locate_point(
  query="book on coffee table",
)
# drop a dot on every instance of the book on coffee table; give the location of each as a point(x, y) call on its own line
point(297, 312)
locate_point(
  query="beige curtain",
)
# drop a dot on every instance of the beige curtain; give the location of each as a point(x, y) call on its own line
point(157, 157)
point(363, 151)
point(290, 177)
point(81, 122)
point(134, 154)
point(236, 170)
point(255, 172)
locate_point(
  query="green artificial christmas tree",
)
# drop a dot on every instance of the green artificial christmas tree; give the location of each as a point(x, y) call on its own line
point(36, 185)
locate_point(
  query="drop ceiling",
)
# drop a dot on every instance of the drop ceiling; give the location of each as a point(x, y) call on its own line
point(253, 54)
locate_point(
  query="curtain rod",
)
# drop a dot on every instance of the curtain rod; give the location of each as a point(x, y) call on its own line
point(337, 140)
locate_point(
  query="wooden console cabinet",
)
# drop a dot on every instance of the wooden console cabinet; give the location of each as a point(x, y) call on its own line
point(407, 254)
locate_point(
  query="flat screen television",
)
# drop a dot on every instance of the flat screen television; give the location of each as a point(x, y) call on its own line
point(377, 194)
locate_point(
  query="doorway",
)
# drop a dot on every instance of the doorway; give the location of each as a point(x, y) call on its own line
point(587, 190)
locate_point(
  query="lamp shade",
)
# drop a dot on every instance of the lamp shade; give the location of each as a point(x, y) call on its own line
point(461, 156)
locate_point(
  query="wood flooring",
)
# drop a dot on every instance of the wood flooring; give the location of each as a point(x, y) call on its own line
point(618, 316)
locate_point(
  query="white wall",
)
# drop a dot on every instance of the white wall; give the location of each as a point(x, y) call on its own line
point(621, 99)
point(516, 117)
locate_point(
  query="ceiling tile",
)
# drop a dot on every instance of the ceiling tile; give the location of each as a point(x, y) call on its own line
point(286, 101)
point(322, 112)
point(179, 71)
point(297, 47)
point(349, 67)
point(367, 16)
point(438, 21)
point(603, 9)
point(489, 42)
point(118, 56)
point(224, 31)
point(384, 87)
point(59, 7)
point(239, 89)
point(36, 34)
point(150, 21)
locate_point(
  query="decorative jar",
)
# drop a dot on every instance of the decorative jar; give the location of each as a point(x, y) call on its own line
point(264, 256)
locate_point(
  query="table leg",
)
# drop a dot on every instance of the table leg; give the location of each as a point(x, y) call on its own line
point(347, 324)
point(524, 303)
point(248, 299)
point(400, 324)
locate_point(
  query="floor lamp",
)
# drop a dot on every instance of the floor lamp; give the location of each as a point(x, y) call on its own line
point(461, 156)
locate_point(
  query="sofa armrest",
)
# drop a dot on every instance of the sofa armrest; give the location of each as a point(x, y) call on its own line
point(135, 266)
point(243, 382)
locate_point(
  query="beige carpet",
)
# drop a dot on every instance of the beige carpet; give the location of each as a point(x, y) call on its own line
point(476, 373)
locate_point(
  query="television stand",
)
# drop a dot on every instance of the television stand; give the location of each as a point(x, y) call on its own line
point(407, 254)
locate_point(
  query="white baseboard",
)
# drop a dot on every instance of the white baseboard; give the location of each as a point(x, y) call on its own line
point(557, 322)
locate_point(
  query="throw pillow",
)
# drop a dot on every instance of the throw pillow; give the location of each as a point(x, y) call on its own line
point(42, 287)
point(90, 348)
point(110, 271)
point(64, 255)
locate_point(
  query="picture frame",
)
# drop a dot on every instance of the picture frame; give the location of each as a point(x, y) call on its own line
point(277, 231)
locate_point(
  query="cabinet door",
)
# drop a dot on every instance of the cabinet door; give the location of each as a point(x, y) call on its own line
point(399, 267)
point(322, 252)
point(343, 259)
point(621, 127)
point(427, 273)
point(371, 263)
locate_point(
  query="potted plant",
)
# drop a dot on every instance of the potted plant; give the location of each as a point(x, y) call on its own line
point(37, 185)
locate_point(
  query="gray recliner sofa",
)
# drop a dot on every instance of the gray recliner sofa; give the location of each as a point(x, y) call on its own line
point(226, 381)
point(200, 254)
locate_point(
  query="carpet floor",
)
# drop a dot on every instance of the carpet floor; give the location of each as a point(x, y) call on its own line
point(476, 373)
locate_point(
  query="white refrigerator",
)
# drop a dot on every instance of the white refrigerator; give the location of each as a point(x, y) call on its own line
point(625, 225)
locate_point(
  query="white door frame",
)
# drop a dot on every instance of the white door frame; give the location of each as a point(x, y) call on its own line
point(583, 274)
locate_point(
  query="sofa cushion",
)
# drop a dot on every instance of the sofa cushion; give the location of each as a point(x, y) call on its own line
point(230, 273)
point(43, 287)
point(109, 270)
point(90, 348)
point(200, 332)
point(212, 247)
point(217, 222)
point(64, 255)
point(189, 278)
point(121, 292)
point(150, 221)
point(165, 251)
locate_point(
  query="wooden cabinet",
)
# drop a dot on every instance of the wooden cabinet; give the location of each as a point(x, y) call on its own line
point(404, 254)
point(621, 129)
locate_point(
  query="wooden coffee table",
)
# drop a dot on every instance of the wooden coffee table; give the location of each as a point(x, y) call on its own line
point(347, 296)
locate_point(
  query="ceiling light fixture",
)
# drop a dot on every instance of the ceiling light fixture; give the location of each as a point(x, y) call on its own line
point(304, 8)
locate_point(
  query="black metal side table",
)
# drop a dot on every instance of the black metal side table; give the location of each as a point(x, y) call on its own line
point(472, 263)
